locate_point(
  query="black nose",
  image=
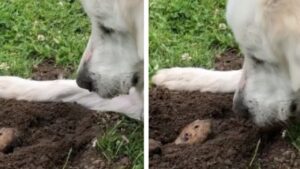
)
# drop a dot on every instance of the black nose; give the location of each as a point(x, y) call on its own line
point(85, 82)
point(293, 107)
point(135, 79)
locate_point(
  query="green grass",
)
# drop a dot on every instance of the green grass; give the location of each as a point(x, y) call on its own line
point(192, 27)
point(34, 30)
point(123, 140)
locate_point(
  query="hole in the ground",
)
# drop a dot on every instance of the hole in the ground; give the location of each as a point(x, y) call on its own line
point(10, 149)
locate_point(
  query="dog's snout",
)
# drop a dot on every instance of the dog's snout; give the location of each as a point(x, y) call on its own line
point(84, 81)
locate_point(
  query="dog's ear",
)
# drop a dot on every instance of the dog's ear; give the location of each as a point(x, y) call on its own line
point(282, 26)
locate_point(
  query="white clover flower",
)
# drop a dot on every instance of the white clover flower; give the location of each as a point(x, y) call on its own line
point(4, 66)
point(222, 26)
point(186, 57)
point(60, 3)
point(41, 37)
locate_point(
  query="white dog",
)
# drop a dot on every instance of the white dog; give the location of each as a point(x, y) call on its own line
point(267, 88)
point(111, 66)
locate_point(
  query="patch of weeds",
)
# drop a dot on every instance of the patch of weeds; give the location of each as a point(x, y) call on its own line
point(125, 139)
point(293, 134)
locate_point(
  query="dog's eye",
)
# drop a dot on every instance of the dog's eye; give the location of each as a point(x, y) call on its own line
point(106, 30)
point(256, 60)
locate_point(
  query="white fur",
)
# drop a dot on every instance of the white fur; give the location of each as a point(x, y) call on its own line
point(67, 91)
point(192, 79)
point(114, 56)
point(269, 31)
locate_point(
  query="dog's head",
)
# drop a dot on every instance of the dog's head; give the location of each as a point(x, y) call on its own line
point(112, 61)
point(269, 87)
point(268, 34)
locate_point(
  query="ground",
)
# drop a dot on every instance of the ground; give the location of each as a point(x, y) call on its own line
point(195, 33)
point(234, 142)
point(45, 40)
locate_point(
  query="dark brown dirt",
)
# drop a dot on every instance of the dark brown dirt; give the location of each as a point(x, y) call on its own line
point(48, 131)
point(229, 60)
point(46, 70)
point(233, 142)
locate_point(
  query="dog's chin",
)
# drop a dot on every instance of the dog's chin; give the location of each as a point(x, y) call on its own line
point(109, 93)
point(272, 127)
point(105, 95)
point(278, 125)
point(266, 126)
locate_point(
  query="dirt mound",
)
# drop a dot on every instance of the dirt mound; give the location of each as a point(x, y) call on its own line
point(47, 132)
point(233, 142)
point(47, 70)
point(229, 61)
point(51, 133)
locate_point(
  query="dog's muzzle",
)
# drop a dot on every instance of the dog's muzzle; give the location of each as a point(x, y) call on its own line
point(85, 81)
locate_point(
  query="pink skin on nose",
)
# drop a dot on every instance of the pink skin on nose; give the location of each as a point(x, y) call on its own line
point(88, 56)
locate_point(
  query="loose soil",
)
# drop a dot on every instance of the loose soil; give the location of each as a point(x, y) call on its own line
point(47, 132)
point(233, 142)
point(47, 70)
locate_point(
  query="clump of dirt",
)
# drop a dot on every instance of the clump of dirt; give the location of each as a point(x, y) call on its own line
point(47, 70)
point(233, 142)
point(229, 60)
point(48, 131)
